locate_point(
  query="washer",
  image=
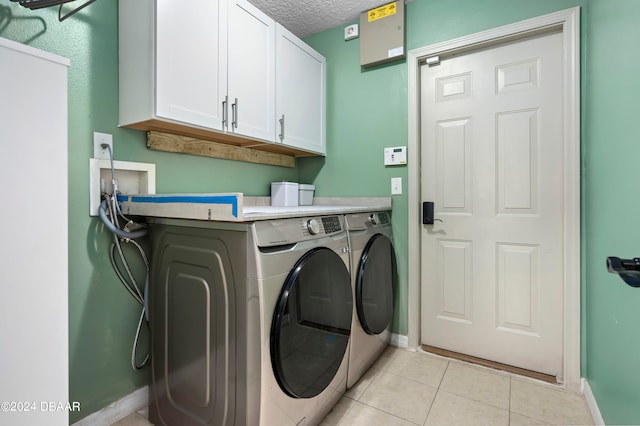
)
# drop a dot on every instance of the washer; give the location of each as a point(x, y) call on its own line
point(251, 322)
point(374, 279)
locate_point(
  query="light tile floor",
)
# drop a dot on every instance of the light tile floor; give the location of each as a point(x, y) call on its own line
point(414, 388)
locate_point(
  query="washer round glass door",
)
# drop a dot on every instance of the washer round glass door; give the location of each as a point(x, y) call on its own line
point(376, 285)
point(311, 323)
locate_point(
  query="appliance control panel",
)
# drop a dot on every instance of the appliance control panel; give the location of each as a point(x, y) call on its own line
point(321, 226)
point(331, 224)
point(276, 232)
point(380, 218)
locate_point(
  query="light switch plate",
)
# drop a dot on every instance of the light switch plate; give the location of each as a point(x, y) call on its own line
point(396, 186)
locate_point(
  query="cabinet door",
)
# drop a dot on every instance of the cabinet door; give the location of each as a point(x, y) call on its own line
point(251, 71)
point(189, 60)
point(300, 93)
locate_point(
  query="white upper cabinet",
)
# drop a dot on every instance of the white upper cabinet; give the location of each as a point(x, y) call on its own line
point(216, 69)
point(171, 62)
point(251, 71)
point(300, 93)
point(190, 61)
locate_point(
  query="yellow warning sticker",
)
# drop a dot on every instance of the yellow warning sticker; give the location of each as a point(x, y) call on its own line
point(382, 12)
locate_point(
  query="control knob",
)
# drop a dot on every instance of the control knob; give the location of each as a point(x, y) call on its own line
point(373, 218)
point(313, 226)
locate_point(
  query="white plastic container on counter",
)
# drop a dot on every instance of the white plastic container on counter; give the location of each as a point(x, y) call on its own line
point(284, 194)
point(305, 194)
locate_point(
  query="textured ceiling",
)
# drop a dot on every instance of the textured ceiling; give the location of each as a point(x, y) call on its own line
point(306, 17)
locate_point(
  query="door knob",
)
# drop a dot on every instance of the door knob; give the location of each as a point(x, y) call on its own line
point(427, 213)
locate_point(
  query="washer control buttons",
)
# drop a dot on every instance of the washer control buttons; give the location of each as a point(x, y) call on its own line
point(331, 224)
point(384, 218)
point(313, 226)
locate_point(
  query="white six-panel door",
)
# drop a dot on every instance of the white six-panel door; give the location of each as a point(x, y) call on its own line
point(492, 162)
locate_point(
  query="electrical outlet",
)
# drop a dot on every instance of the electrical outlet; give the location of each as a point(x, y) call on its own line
point(396, 186)
point(98, 140)
point(351, 32)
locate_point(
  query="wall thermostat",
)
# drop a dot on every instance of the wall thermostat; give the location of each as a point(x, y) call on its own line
point(395, 156)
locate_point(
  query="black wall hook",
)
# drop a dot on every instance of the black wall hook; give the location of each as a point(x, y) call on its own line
point(39, 4)
point(628, 269)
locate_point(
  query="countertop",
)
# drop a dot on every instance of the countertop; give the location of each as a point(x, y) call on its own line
point(235, 207)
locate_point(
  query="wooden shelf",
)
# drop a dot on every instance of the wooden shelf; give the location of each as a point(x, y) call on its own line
point(173, 137)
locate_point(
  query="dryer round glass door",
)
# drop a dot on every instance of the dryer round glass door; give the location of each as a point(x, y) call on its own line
point(376, 285)
point(311, 324)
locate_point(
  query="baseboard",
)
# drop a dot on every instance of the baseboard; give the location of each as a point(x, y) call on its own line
point(117, 410)
point(399, 340)
point(591, 402)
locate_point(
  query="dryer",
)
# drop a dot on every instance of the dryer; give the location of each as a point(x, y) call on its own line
point(302, 293)
point(250, 322)
point(374, 283)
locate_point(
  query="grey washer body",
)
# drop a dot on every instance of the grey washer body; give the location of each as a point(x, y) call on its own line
point(213, 296)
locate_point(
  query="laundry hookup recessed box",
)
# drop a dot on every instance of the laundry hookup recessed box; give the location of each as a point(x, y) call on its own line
point(131, 178)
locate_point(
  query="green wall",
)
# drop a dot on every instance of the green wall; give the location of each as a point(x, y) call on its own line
point(366, 111)
point(612, 206)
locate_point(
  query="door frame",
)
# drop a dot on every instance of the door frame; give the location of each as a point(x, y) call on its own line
point(569, 22)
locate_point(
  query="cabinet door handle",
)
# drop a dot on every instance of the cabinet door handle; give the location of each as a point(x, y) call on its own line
point(224, 112)
point(234, 114)
point(281, 120)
